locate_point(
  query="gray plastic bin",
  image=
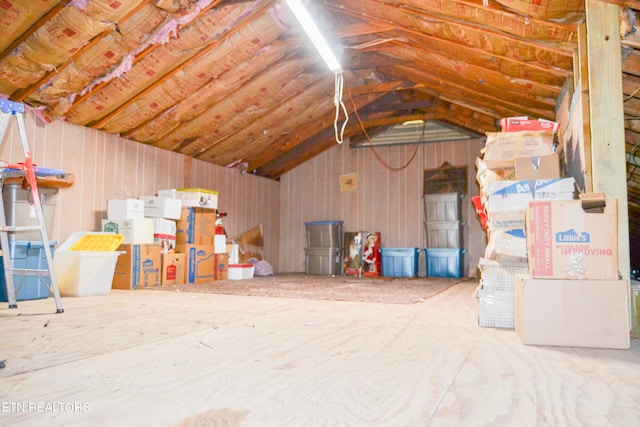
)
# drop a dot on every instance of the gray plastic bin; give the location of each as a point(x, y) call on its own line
point(19, 213)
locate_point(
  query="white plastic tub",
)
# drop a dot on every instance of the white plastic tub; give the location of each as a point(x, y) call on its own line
point(83, 273)
point(241, 271)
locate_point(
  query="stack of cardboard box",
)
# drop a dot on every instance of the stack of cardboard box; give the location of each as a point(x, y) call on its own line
point(140, 262)
point(572, 295)
point(169, 239)
point(550, 268)
point(518, 165)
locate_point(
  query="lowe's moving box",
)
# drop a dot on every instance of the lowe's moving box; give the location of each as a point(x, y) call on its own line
point(196, 226)
point(201, 262)
point(565, 241)
point(222, 266)
point(173, 269)
point(573, 313)
point(138, 267)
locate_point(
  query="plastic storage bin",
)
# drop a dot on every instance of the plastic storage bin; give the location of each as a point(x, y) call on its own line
point(447, 234)
point(240, 271)
point(444, 262)
point(400, 262)
point(27, 254)
point(17, 208)
point(323, 261)
point(324, 234)
point(443, 207)
point(84, 263)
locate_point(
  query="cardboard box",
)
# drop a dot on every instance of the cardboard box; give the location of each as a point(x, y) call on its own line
point(573, 313)
point(565, 242)
point(506, 242)
point(518, 124)
point(167, 241)
point(234, 253)
point(201, 265)
point(135, 231)
point(508, 196)
point(502, 148)
point(125, 209)
point(174, 267)
point(198, 198)
point(222, 266)
point(220, 243)
point(514, 196)
point(196, 226)
point(537, 167)
point(138, 267)
point(164, 226)
point(485, 175)
point(162, 207)
point(555, 189)
point(506, 221)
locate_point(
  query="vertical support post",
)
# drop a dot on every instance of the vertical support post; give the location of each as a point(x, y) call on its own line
point(606, 114)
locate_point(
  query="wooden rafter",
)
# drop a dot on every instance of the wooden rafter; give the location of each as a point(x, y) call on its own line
point(34, 27)
point(21, 95)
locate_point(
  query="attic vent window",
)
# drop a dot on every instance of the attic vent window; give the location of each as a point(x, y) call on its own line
point(414, 132)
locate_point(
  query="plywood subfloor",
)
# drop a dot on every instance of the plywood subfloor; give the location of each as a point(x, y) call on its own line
point(148, 358)
point(389, 290)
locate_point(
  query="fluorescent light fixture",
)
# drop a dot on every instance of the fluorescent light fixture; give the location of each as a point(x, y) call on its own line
point(314, 34)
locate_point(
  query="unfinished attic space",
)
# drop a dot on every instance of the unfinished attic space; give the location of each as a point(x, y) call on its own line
point(263, 213)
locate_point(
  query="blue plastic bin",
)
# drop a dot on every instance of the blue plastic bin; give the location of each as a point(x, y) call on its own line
point(400, 262)
point(444, 262)
point(27, 254)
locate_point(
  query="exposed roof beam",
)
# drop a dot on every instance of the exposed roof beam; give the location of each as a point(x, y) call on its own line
point(34, 27)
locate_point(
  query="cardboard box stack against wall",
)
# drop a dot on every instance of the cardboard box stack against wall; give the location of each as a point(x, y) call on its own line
point(168, 239)
point(550, 269)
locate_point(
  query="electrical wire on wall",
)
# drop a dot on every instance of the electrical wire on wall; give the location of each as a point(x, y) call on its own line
point(337, 100)
point(375, 153)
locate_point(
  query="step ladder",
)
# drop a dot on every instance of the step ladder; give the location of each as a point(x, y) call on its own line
point(8, 110)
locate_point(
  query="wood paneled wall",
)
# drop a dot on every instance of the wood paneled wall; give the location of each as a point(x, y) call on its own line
point(109, 167)
point(386, 201)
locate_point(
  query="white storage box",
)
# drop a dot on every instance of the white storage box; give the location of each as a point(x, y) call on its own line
point(135, 231)
point(198, 198)
point(83, 273)
point(125, 209)
point(241, 271)
point(164, 226)
point(219, 243)
point(162, 207)
point(171, 193)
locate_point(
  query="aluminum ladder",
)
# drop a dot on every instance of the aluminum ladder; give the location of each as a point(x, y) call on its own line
point(9, 109)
